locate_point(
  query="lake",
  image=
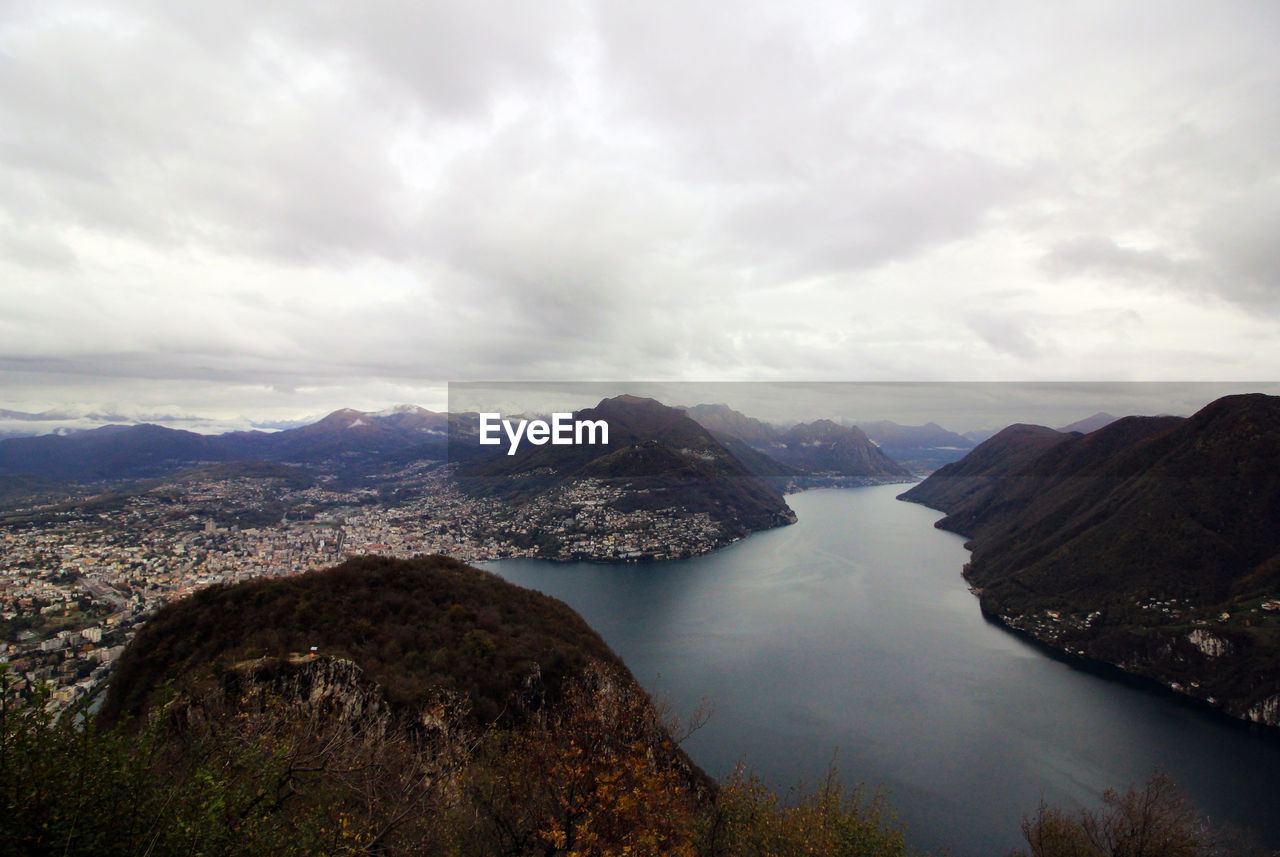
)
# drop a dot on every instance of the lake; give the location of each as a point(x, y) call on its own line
point(851, 635)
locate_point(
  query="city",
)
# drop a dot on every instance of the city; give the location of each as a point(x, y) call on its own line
point(77, 577)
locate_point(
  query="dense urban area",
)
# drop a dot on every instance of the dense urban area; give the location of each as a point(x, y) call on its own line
point(78, 575)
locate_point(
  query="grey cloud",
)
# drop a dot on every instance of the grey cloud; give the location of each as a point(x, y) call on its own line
point(1241, 238)
point(448, 58)
point(131, 127)
point(865, 214)
point(455, 57)
point(1005, 334)
point(36, 248)
point(300, 194)
point(1099, 254)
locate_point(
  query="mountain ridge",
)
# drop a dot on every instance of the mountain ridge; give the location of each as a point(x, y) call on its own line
point(656, 456)
point(1152, 544)
point(821, 452)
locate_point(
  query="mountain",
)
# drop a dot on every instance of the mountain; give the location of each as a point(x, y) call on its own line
point(977, 436)
point(806, 455)
point(1152, 544)
point(656, 459)
point(826, 449)
point(921, 449)
point(348, 439)
point(15, 489)
point(967, 487)
point(344, 441)
point(497, 634)
point(397, 707)
point(751, 441)
point(662, 486)
point(887, 433)
point(356, 444)
point(724, 420)
point(110, 452)
point(1089, 424)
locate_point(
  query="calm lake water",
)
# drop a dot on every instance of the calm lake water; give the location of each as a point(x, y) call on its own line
point(852, 635)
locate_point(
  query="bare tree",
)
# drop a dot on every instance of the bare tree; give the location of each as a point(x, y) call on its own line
point(1156, 820)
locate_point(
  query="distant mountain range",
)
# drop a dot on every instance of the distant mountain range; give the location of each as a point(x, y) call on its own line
point(656, 460)
point(1151, 543)
point(346, 440)
point(921, 449)
point(353, 441)
point(820, 452)
point(356, 442)
point(1090, 424)
point(704, 460)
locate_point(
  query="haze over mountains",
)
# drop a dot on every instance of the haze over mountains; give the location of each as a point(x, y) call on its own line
point(691, 488)
point(746, 460)
point(352, 440)
point(812, 451)
point(1089, 424)
point(659, 472)
point(1152, 543)
point(345, 438)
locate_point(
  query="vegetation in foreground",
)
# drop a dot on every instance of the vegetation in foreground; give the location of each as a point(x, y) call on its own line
point(1156, 820)
point(591, 776)
point(582, 781)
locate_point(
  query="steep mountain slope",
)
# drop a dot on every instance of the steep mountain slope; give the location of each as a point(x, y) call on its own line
point(824, 448)
point(1152, 543)
point(966, 487)
point(348, 439)
point(441, 711)
point(657, 458)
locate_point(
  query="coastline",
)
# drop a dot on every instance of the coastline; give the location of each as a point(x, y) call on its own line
point(1149, 682)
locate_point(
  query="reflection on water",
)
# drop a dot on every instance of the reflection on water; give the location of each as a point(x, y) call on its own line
point(852, 631)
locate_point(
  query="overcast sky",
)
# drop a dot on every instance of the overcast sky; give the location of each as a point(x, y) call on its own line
point(277, 209)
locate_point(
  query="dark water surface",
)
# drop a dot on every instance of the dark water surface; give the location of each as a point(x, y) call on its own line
point(852, 631)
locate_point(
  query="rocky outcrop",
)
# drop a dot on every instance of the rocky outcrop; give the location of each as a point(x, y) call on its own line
point(1209, 643)
point(1266, 712)
point(300, 694)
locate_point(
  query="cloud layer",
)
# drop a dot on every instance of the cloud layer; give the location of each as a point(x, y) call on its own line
point(278, 208)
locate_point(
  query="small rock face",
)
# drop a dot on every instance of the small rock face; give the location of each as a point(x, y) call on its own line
point(1209, 643)
point(1266, 712)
